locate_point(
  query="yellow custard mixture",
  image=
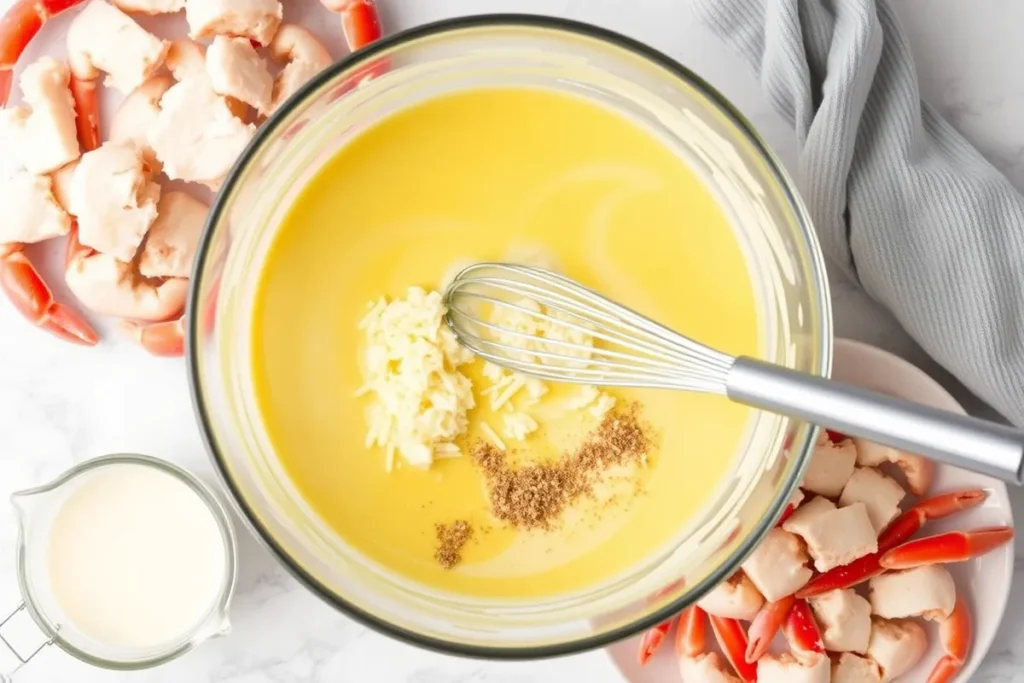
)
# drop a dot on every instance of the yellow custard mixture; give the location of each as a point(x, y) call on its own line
point(467, 177)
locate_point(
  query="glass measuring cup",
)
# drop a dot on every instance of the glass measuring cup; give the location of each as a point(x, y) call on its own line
point(37, 511)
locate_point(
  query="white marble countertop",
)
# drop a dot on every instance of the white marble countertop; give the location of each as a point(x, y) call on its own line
point(61, 404)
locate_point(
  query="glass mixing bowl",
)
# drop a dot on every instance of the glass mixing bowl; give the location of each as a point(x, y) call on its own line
point(769, 220)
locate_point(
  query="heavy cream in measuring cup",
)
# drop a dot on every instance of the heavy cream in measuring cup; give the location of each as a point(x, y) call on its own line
point(136, 557)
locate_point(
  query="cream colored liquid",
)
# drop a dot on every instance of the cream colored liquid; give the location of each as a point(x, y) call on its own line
point(136, 558)
point(470, 176)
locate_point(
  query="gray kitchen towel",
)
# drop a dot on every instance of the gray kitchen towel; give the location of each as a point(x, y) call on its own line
point(901, 202)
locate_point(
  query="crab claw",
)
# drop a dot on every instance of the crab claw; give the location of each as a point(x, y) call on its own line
point(955, 636)
point(802, 630)
point(733, 640)
point(20, 281)
point(652, 640)
point(905, 526)
point(765, 625)
point(690, 638)
point(952, 546)
point(936, 507)
point(18, 26)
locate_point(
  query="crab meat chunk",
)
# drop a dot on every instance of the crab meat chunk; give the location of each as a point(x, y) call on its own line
point(31, 212)
point(150, 6)
point(845, 620)
point(706, 668)
point(254, 19)
point(850, 668)
point(196, 137)
point(830, 467)
point(897, 646)
point(186, 59)
point(879, 493)
point(236, 70)
point(62, 184)
point(113, 199)
point(922, 591)
point(171, 245)
point(136, 115)
point(103, 38)
point(778, 567)
point(104, 285)
point(834, 536)
point(735, 598)
point(816, 668)
point(42, 136)
point(303, 56)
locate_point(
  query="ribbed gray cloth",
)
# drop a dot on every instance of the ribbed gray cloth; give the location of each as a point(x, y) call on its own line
point(901, 202)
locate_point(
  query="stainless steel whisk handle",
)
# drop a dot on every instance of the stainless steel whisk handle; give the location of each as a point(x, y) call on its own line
point(950, 438)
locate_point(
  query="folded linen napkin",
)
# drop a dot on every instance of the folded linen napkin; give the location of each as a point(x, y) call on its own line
point(901, 202)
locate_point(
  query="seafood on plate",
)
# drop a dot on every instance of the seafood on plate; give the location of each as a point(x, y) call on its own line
point(189, 108)
point(841, 532)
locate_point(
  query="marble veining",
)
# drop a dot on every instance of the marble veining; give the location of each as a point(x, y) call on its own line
point(60, 404)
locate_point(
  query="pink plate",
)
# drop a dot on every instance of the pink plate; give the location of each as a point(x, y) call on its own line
point(985, 581)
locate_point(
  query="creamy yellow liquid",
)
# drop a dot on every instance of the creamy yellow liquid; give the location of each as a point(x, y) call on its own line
point(469, 176)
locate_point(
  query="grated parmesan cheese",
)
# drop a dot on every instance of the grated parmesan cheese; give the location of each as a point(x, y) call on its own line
point(420, 399)
point(489, 432)
point(519, 425)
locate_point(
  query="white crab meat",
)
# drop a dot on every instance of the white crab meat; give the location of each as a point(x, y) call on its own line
point(185, 59)
point(879, 493)
point(62, 184)
point(845, 620)
point(897, 646)
point(255, 19)
point(104, 38)
point(303, 57)
point(236, 70)
point(706, 668)
point(196, 137)
point(135, 116)
point(834, 536)
point(113, 199)
point(42, 135)
point(816, 668)
point(735, 598)
point(174, 236)
point(104, 285)
point(871, 454)
point(150, 6)
point(31, 212)
point(922, 591)
point(778, 567)
point(830, 467)
point(851, 668)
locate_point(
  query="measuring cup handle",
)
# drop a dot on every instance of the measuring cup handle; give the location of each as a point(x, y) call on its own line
point(22, 659)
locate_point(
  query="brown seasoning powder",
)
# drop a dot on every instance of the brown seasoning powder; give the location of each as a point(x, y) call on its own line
point(451, 538)
point(534, 496)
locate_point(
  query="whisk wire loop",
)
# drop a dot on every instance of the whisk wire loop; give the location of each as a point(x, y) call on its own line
point(589, 338)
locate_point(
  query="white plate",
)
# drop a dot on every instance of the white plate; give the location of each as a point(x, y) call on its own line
point(985, 581)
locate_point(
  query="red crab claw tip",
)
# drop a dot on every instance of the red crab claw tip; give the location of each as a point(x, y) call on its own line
point(652, 640)
point(952, 546)
point(765, 625)
point(733, 640)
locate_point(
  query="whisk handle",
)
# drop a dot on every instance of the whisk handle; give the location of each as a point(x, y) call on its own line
point(968, 442)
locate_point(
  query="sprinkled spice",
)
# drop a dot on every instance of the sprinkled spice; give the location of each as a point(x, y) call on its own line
point(451, 538)
point(535, 496)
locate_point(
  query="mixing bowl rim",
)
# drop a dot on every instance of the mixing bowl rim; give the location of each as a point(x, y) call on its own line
point(351, 63)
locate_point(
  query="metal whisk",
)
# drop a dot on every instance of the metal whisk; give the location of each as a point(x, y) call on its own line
point(589, 339)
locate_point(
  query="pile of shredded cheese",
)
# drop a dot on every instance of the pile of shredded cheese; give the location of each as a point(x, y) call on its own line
point(420, 399)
